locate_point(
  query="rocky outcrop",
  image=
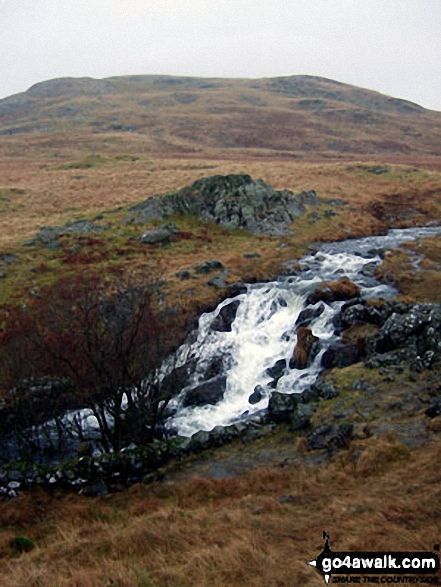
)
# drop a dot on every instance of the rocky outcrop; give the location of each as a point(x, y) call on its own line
point(233, 201)
point(399, 333)
point(49, 236)
point(415, 330)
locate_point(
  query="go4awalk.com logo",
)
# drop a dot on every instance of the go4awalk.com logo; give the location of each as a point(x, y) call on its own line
point(378, 567)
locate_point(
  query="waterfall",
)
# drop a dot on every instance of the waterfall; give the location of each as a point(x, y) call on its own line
point(262, 335)
point(242, 350)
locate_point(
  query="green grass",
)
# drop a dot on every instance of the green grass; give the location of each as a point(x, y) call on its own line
point(96, 160)
point(384, 172)
point(8, 198)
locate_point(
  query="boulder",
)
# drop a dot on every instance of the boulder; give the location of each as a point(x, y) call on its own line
point(434, 408)
point(300, 419)
point(281, 406)
point(414, 330)
point(303, 351)
point(334, 291)
point(276, 371)
point(208, 266)
point(307, 315)
point(330, 437)
point(183, 274)
point(177, 379)
point(256, 396)
point(341, 355)
point(161, 235)
point(219, 281)
point(354, 315)
point(321, 389)
point(208, 392)
point(225, 318)
point(98, 489)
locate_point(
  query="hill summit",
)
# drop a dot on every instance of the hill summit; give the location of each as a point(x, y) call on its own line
point(294, 115)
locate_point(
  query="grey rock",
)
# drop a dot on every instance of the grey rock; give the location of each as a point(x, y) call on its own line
point(200, 441)
point(97, 489)
point(330, 437)
point(435, 408)
point(289, 498)
point(337, 202)
point(256, 396)
point(307, 315)
point(355, 315)
point(8, 258)
point(208, 392)
point(412, 333)
point(233, 201)
point(225, 318)
point(300, 419)
point(326, 389)
point(341, 355)
point(321, 389)
point(208, 266)
point(82, 227)
point(219, 281)
point(162, 235)
point(49, 236)
point(183, 274)
point(276, 371)
point(281, 406)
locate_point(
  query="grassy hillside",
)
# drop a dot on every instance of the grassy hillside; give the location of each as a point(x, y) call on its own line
point(88, 149)
point(298, 115)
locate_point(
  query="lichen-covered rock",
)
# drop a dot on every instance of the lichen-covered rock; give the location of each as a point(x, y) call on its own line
point(233, 201)
point(300, 419)
point(411, 334)
point(281, 406)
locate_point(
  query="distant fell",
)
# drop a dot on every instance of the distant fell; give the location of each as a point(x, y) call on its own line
point(297, 115)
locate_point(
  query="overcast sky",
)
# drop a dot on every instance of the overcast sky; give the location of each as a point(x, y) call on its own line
point(392, 46)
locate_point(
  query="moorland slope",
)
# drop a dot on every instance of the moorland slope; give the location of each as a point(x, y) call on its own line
point(297, 115)
point(78, 153)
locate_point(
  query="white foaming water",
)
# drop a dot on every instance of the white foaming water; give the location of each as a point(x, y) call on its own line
point(263, 332)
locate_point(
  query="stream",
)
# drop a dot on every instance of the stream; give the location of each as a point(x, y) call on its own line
point(262, 335)
point(241, 351)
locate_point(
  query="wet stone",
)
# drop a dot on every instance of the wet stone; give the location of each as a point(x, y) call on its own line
point(257, 395)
